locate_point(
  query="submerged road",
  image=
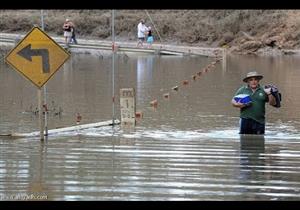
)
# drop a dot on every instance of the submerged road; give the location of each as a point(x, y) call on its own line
point(90, 44)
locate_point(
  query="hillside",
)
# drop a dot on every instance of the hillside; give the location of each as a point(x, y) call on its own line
point(243, 31)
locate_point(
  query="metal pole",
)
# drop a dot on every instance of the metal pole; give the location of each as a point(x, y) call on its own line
point(41, 120)
point(224, 57)
point(42, 19)
point(113, 65)
point(45, 88)
point(154, 26)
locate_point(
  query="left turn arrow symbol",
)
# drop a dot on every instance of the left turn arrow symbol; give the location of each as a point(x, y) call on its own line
point(27, 53)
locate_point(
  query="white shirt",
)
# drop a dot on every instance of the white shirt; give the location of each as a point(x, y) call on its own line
point(141, 30)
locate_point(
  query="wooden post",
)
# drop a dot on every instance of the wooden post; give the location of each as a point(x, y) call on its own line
point(127, 106)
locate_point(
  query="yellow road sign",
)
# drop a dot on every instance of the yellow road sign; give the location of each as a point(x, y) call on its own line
point(37, 56)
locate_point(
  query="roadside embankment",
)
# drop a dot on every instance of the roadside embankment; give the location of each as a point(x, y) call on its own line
point(257, 32)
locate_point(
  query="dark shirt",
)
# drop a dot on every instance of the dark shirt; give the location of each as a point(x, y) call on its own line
point(67, 27)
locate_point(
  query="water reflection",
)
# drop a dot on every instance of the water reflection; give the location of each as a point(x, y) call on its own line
point(251, 149)
point(38, 171)
point(144, 72)
point(188, 148)
point(252, 162)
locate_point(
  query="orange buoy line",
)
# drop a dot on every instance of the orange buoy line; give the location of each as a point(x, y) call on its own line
point(166, 95)
point(78, 118)
point(185, 82)
point(175, 88)
point(154, 103)
point(138, 115)
point(210, 66)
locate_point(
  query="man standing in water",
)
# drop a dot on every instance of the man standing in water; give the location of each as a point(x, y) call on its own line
point(252, 114)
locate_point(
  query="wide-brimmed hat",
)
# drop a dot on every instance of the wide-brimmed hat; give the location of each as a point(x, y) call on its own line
point(253, 74)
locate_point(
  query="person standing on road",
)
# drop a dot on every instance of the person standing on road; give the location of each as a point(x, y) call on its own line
point(73, 37)
point(67, 32)
point(149, 37)
point(252, 113)
point(142, 30)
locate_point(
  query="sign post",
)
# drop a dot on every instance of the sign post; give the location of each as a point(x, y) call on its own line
point(37, 57)
point(45, 88)
point(113, 65)
point(41, 119)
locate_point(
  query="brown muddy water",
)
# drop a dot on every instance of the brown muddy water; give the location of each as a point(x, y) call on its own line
point(188, 148)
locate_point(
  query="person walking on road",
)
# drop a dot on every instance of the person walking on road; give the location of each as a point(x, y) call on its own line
point(149, 37)
point(67, 32)
point(141, 31)
point(73, 37)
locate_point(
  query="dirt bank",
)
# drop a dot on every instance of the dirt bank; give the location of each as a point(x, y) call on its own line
point(241, 31)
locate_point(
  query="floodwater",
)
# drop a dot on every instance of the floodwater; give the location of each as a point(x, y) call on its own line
point(187, 148)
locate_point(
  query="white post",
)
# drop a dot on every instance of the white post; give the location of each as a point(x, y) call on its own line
point(45, 88)
point(127, 106)
point(113, 65)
